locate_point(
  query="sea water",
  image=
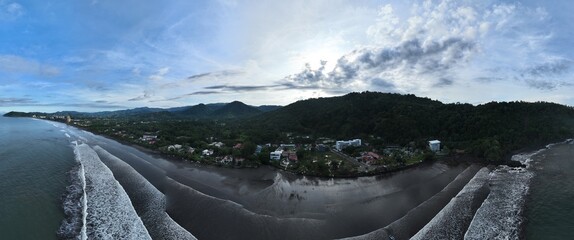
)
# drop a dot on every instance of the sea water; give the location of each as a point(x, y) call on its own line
point(55, 186)
point(550, 205)
point(35, 158)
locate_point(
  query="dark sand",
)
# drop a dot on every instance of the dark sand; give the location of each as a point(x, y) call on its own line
point(263, 203)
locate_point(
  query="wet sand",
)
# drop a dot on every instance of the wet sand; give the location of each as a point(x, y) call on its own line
point(263, 203)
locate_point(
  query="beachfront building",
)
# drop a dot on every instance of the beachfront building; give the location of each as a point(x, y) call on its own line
point(276, 155)
point(434, 145)
point(340, 145)
point(175, 147)
point(207, 152)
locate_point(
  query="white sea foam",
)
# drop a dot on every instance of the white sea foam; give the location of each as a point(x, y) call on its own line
point(501, 214)
point(451, 222)
point(150, 201)
point(67, 135)
point(109, 213)
point(84, 203)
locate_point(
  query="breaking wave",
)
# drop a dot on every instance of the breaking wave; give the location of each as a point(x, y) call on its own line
point(453, 220)
point(96, 205)
point(501, 214)
point(148, 201)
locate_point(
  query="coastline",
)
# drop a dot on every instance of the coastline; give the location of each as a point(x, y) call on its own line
point(238, 183)
point(160, 154)
point(533, 152)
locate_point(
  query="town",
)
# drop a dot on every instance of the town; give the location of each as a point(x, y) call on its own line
point(224, 144)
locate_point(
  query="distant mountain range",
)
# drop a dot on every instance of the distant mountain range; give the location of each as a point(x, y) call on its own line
point(231, 110)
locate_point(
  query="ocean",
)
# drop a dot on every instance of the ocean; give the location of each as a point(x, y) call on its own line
point(550, 205)
point(59, 182)
point(34, 162)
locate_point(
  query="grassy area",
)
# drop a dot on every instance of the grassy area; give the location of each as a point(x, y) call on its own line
point(323, 164)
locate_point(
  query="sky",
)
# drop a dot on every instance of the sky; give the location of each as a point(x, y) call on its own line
point(94, 55)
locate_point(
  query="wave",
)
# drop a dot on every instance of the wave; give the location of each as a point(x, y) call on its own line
point(105, 209)
point(418, 217)
point(453, 220)
point(148, 201)
point(73, 225)
point(501, 215)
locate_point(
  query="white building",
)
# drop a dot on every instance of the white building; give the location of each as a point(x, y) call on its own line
point(207, 152)
point(174, 147)
point(434, 145)
point(217, 144)
point(340, 145)
point(276, 155)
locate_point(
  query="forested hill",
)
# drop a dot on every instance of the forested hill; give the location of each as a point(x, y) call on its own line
point(492, 128)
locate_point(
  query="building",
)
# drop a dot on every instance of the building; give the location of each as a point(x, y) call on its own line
point(217, 144)
point(434, 145)
point(293, 157)
point(276, 155)
point(148, 137)
point(174, 147)
point(227, 159)
point(370, 157)
point(290, 146)
point(340, 145)
point(207, 152)
point(258, 149)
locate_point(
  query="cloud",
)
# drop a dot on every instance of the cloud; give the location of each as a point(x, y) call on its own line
point(412, 57)
point(443, 82)
point(217, 74)
point(239, 88)
point(441, 43)
point(541, 84)
point(424, 50)
point(198, 93)
point(159, 74)
point(11, 10)
point(22, 102)
point(17, 64)
point(15, 101)
point(147, 95)
point(555, 67)
point(547, 75)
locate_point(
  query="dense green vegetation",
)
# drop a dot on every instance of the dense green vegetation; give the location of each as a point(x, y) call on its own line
point(490, 131)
